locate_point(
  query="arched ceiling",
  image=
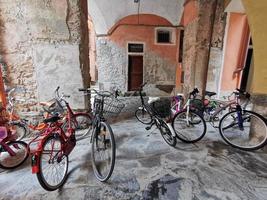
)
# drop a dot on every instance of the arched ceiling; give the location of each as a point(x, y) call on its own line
point(105, 13)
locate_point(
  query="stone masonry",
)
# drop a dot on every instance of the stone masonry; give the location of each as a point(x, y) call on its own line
point(42, 45)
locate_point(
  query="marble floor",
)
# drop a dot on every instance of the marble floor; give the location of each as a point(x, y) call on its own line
point(147, 168)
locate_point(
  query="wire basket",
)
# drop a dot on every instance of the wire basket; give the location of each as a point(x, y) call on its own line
point(162, 107)
point(111, 106)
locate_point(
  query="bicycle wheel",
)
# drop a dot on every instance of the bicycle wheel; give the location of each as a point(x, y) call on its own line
point(103, 152)
point(82, 123)
point(143, 116)
point(19, 151)
point(189, 127)
point(20, 130)
point(53, 164)
point(167, 134)
point(247, 132)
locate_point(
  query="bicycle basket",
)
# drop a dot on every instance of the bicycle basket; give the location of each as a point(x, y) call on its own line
point(162, 107)
point(111, 106)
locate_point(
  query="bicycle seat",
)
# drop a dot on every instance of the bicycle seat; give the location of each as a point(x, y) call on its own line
point(152, 100)
point(52, 119)
point(210, 94)
point(3, 133)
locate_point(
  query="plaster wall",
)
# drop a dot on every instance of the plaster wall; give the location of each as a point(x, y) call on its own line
point(233, 50)
point(256, 12)
point(41, 45)
point(105, 14)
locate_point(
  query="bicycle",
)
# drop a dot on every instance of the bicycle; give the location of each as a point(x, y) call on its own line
point(188, 124)
point(12, 153)
point(50, 159)
point(23, 126)
point(102, 138)
point(243, 129)
point(232, 125)
point(147, 114)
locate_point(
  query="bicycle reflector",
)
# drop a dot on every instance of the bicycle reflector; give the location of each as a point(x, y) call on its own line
point(35, 168)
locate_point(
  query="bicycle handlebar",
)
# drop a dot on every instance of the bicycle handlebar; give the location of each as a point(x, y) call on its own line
point(242, 92)
point(194, 92)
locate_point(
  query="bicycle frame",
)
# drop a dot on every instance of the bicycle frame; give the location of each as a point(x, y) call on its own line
point(55, 128)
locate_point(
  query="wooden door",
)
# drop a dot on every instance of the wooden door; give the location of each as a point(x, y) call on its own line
point(135, 72)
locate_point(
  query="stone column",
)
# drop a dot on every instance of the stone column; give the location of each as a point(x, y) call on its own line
point(200, 34)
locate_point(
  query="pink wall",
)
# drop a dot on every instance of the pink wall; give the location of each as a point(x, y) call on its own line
point(190, 12)
point(236, 45)
point(128, 30)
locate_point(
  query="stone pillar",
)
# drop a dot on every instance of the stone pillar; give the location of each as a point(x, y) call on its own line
point(260, 104)
point(199, 35)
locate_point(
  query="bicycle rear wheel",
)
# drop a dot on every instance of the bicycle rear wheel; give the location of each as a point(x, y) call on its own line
point(53, 164)
point(143, 116)
point(189, 127)
point(167, 134)
point(9, 161)
point(103, 152)
point(248, 131)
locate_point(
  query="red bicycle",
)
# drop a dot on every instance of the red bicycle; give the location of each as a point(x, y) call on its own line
point(50, 160)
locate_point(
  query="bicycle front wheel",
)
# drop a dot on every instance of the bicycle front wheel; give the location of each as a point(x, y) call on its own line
point(103, 152)
point(246, 130)
point(189, 127)
point(14, 155)
point(167, 134)
point(143, 116)
point(53, 164)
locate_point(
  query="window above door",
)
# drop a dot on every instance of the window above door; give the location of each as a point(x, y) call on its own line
point(165, 36)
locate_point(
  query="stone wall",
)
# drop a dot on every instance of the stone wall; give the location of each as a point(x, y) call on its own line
point(42, 45)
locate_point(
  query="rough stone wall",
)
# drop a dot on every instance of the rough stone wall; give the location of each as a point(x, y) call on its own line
point(113, 68)
point(196, 46)
point(189, 55)
point(112, 65)
point(41, 44)
point(216, 53)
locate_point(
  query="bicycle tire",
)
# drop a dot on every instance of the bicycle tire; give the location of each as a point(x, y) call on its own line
point(191, 131)
point(6, 157)
point(20, 128)
point(143, 116)
point(167, 134)
point(100, 135)
point(82, 123)
point(41, 175)
point(252, 137)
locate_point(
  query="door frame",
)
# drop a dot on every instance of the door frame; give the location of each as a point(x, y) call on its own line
point(134, 54)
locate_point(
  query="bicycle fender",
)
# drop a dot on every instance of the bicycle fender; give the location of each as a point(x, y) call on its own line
point(171, 129)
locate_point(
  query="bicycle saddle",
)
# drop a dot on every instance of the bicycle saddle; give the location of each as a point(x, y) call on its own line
point(52, 119)
point(210, 94)
point(152, 99)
